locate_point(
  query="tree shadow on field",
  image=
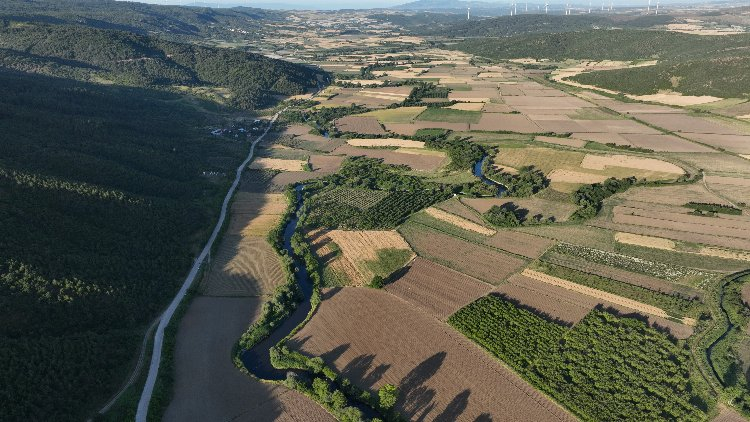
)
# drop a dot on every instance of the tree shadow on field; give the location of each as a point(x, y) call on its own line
point(335, 353)
point(416, 399)
point(455, 408)
point(360, 369)
point(484, 417)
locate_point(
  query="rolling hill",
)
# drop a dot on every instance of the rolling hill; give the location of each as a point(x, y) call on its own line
point(111, 56)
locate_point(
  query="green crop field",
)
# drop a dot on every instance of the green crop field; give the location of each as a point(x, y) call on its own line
point(448, 115)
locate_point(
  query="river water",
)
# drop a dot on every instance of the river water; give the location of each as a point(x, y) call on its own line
point(478, 173)
point(257, 359)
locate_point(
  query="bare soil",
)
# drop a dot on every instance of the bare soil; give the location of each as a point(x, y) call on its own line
point(208, 387)
point(520, 243)
point(436, 289)
point(374, 338)
point(482, 262)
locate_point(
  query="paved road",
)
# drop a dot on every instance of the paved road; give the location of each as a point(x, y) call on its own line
point(166, 317)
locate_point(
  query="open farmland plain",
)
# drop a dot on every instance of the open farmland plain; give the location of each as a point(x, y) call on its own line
point(599, 224)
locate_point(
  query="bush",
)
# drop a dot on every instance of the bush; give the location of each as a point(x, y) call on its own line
point(502, 217)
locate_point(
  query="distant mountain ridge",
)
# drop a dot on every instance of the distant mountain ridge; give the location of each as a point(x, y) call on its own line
point(448, 4)
point(173, 22)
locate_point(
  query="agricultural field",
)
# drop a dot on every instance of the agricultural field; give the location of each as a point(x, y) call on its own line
point(207, 384)
point(568, 168)
point(356, 257)
point(449, 115)
point(459, 221)
point(245, 264)
point(558, 210)
point(396, 115)
point(439, 290)
point(374, 338)
point(361, 125)
point(471, 260)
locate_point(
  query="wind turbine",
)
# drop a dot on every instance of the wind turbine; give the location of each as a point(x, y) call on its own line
point(610, 5)
point(589, 6)
point(648, 11)
point(546, 7)
point(657, 7)
point(468, 12)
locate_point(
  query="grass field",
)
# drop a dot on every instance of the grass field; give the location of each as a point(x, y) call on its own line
point(450, 116)
point(396, 115)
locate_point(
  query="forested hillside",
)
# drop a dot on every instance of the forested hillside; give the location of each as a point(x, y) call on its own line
point(607, 45)
point(171, 22)
point(689, 64)
point(537, 23)
point(103, 207)
point(124, 58)
point(716, 76)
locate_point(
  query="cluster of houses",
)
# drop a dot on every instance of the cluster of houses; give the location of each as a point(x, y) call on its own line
point(255, 127)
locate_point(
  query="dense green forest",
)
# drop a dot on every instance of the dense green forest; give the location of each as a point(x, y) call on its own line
point(506, 26)
point(598, 45)
point(689, 64)
point(721, 77)
point(171, 22)
point(103, 204)
point(604, 368)
point(124, 58)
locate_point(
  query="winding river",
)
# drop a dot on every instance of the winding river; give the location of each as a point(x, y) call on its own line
point(478, 172)
point(257, 359)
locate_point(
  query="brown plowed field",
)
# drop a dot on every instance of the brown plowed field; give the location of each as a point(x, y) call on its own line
point(207, 385)
point(520, 243)
point(706, 239)
point(740, 222)
point(541, 303)
point(672, 195)
point(358, 124)
point(651, 283)
point(438, 290)
point(374, 338)
point(421, 162)
point(282, 180)
point(325, 164)
point(410, 129)
point(673, 223)
point(551, 301)
point(454, 206)
point(482, 262)
point(686, 123)
point(665, 143)
point(492, 122)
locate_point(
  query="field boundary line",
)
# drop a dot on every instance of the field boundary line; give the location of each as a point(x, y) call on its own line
point(166, 317)
point(598, 294)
